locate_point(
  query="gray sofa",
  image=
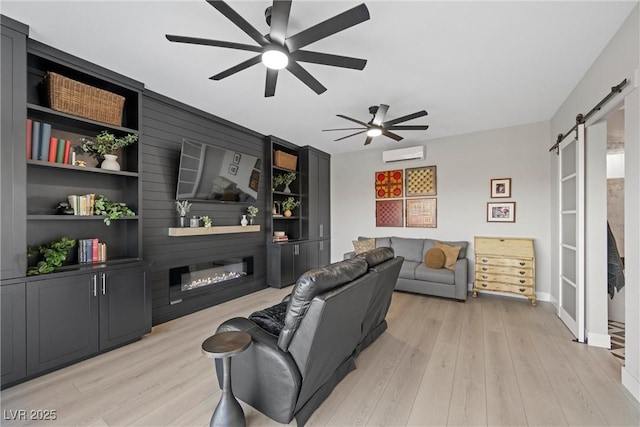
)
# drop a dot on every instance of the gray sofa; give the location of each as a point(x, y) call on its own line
point(416, 277)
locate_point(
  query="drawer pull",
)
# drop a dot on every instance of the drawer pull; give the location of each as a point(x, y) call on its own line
point(522, 263)
point(522, 272)
point(484, 277)
point(522, 289)
point(484, 269)
point(484, 285)
point(523, 281)
point(485, 260)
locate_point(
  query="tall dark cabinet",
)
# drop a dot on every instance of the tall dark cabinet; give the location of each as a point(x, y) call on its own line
point(51, 320)
point(309, 229)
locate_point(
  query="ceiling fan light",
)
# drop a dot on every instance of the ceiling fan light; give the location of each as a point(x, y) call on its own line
point(275, 59)
point(373, 132)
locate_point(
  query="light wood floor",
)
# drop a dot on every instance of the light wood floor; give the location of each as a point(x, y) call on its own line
point(490, 361)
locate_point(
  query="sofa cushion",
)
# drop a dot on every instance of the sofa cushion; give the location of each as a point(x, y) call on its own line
point(360, 246)
point(410, 249)
point(376, 256)
point(431, 243)
point(312, 283)
point(381, 242)
point(408, 269)
point(434, 258)
point(271, 319)
point(438, 275)
point(450, 253)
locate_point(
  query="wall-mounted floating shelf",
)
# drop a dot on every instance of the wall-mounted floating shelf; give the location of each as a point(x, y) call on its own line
point(223, 229)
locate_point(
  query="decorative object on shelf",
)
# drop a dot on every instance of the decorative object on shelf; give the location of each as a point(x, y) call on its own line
point(276, 210)
point(252, 212)
point(54, 254)
point(63, 208)
point(422, 212)
point(420, 181)
point(183, 208)
point(500, 188)
point(111, 210)
point(106, 144)
point(284, 179)
point(206, 221)
point(244, 221)
point(194, 222)
point(501, 212)
point(80, 163)
point(285, 160)
point(388, 184)
point(289, 205)
point(389, 213)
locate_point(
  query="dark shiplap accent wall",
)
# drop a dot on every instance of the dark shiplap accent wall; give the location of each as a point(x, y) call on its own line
point(165, 123)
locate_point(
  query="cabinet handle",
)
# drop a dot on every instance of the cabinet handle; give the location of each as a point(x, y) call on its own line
point(522, 272)
point(485, 269)
point(103, 278)
point(522, 263)
point(484, 277)
point(522, 289)
point(321, 230)
point(485, 260)
point(484, 285)
point(523, 281)
point(322, 246)
point(296, 250)
point(95, 285)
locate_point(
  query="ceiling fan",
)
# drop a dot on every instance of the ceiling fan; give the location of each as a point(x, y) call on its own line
point(277, 51)
point(377, 126)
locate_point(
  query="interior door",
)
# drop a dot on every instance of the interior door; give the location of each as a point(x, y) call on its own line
point(571, 192)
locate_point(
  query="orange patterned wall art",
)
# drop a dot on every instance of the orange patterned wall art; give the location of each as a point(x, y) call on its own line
point(389, 184)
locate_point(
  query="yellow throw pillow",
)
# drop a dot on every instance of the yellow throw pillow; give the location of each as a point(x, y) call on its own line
point(364, 245)
point(450, 253)
point(434, 258)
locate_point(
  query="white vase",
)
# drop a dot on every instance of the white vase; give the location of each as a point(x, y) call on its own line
point(110, 162)
point(286, 189)
point(244, 221)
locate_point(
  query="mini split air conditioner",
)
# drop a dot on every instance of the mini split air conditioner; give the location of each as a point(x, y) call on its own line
point(402, 154)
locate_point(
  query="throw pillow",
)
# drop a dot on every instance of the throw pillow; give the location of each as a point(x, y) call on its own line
point(450, 253)
point(364, 245)
point(434, 258)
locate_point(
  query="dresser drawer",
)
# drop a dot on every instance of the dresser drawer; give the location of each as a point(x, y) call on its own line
point(487, 277)
point(505, 262)
point(509, 270)
point(504, 287)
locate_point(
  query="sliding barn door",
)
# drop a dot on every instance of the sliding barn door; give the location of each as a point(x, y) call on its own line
point(572, 284)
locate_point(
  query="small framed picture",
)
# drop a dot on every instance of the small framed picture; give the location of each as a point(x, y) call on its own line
point(236, 158)
point(501, 212)
point(500, 188)
point(233, 169)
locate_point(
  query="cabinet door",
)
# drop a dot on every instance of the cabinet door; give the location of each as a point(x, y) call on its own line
point(287, 264)
point(125, 306)
point(301, 262)
point(313, 255)
point(324, 206)
point(62, 321)
point(12, 316)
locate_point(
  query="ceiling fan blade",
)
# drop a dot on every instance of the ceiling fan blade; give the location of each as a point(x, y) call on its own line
point(279, 21)
point(368, 140)
point(354, 120)
point(305, 77)
point(208, 42)
point(241, 66)
point(390, 123)
point(349, 136)
point(328, 59)
point(329, 27)
point(327, 130)
point(270, 86)
point(392, 135)
point(379, 117)
point(416, 127)
point(240, 22)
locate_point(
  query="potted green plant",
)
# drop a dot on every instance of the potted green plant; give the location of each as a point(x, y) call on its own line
point(206, 221)
point(111, 210)
point(105, 146)
point(252, 211)
point(289, 205)
point(285, 179)
point(54, 255)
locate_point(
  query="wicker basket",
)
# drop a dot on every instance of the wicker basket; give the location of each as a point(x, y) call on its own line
point(285, 160)
point(70, 96)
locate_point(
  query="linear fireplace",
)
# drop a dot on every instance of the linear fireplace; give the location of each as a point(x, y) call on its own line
point(191, 280)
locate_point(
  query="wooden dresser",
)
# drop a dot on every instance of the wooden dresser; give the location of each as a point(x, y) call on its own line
point(505, 264)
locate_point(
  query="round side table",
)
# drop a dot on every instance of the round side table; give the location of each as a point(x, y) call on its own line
point(223, 345)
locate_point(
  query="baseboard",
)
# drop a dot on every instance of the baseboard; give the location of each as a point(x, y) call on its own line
point(599, 340)
point(631, 383)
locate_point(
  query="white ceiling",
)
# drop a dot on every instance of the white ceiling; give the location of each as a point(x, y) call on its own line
point(472, 65)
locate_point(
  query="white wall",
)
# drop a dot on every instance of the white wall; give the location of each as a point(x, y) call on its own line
point(465, 164)
point(619, 60)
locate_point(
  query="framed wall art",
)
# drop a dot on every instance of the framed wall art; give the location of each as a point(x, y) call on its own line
point(500, 188)
point(388, 184)
point(501, 212)
point(233, 169)
point(236, 158)
point(420, 181)
point(389, 213)
point(421, 213)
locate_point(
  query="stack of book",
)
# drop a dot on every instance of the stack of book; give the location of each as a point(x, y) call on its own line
point(42, 146)
point(82, 205)
point(280, 237)
point(91, 250)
